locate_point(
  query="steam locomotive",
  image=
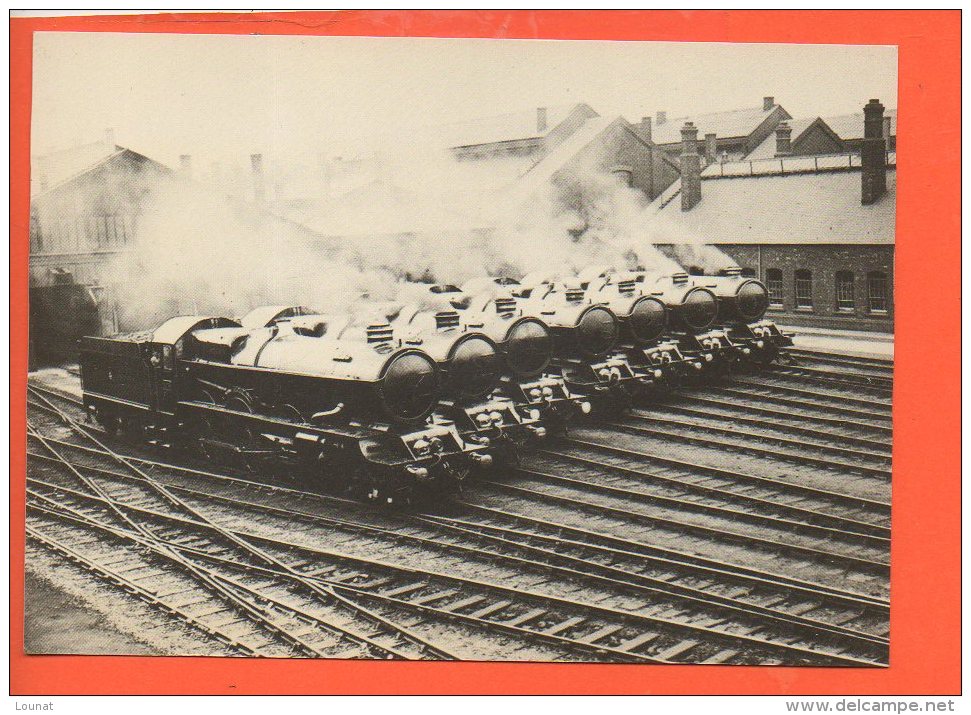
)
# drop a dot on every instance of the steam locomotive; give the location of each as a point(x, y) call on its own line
point(396, 400)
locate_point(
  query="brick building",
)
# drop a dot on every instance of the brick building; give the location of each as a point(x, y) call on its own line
point(87, 206)
point(818, 229)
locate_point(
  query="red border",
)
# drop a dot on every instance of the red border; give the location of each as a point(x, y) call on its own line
point(925, 614)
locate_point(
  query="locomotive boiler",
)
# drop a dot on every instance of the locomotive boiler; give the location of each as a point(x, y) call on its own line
point(644, 319)
point(693, 319)
point(359, 414)
point(742, 303)
point(525, 343)
point(585, 335)
point(475, 369)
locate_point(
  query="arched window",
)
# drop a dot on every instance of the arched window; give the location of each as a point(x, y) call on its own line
point(804, 289)
point(876, 288)
point(845, 302)
point(773, 282)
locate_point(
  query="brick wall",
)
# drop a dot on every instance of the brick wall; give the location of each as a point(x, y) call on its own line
point(824, 261)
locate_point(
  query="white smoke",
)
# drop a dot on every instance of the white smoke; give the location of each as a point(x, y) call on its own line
point(435, 220)
point(198, 253)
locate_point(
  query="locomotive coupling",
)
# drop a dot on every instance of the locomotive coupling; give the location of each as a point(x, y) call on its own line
point(479, 439)
point(481, 460)
point(419, 473)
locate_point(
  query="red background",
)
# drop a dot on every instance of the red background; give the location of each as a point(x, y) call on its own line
point(925, 583)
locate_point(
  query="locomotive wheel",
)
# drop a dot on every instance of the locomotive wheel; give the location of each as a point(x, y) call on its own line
point(204, 433)
point(239, 434)
point(111, 424)
point(131, 430)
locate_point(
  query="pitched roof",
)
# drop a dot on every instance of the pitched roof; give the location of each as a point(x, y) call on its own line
point(555, 160)
point(503, 127)
point(732, 123)
point(766, 150)
point(801, 207)
point(57, 168)
point(850, 126)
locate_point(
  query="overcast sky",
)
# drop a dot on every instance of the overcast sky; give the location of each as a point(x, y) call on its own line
point(218, 97)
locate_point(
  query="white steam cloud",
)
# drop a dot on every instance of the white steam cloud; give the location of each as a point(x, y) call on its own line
point(421, 215)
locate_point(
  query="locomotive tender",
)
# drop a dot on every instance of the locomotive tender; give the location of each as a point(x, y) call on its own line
point(401, 399)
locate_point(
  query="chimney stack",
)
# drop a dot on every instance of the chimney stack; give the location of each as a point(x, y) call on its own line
point(110, 137)
point(185, 165)
point(690, 167)
point(783, 139)
point(259, 189)
point(874, 153)
point(711, 148)
point(646, 128)
point(661, 118)
point(767, 103)
point(542, 118)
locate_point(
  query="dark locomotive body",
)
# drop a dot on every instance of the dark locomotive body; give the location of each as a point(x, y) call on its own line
point(742, 303)
point(585, 336)
point(526, 345)
point(397, 398)
point(369, 425)
point(644, 324)
point(693, 321)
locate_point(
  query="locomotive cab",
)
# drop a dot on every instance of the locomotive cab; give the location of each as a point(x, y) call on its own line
point(131, 382)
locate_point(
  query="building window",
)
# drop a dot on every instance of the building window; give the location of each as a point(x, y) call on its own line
point(876, 287)
point(773, 282)
point(844, 292)
point(804, 289)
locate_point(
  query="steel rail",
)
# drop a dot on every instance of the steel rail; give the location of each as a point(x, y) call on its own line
point(568, 567)
point(628, 618)
point(167, 496)
point(776, 453)
point(801, 516)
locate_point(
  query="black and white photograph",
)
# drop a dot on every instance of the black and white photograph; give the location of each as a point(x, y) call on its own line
point(460, 349)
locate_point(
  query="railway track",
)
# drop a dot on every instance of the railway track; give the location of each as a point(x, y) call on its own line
point(810, 386)
point(882, 367)
point(640, 446)
point(766, 443)
point(560, 563)
point(694, 587)
point(626, 518)
point(121, 498)
point(794, 505)
point(793, 420)
point(861, 410)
